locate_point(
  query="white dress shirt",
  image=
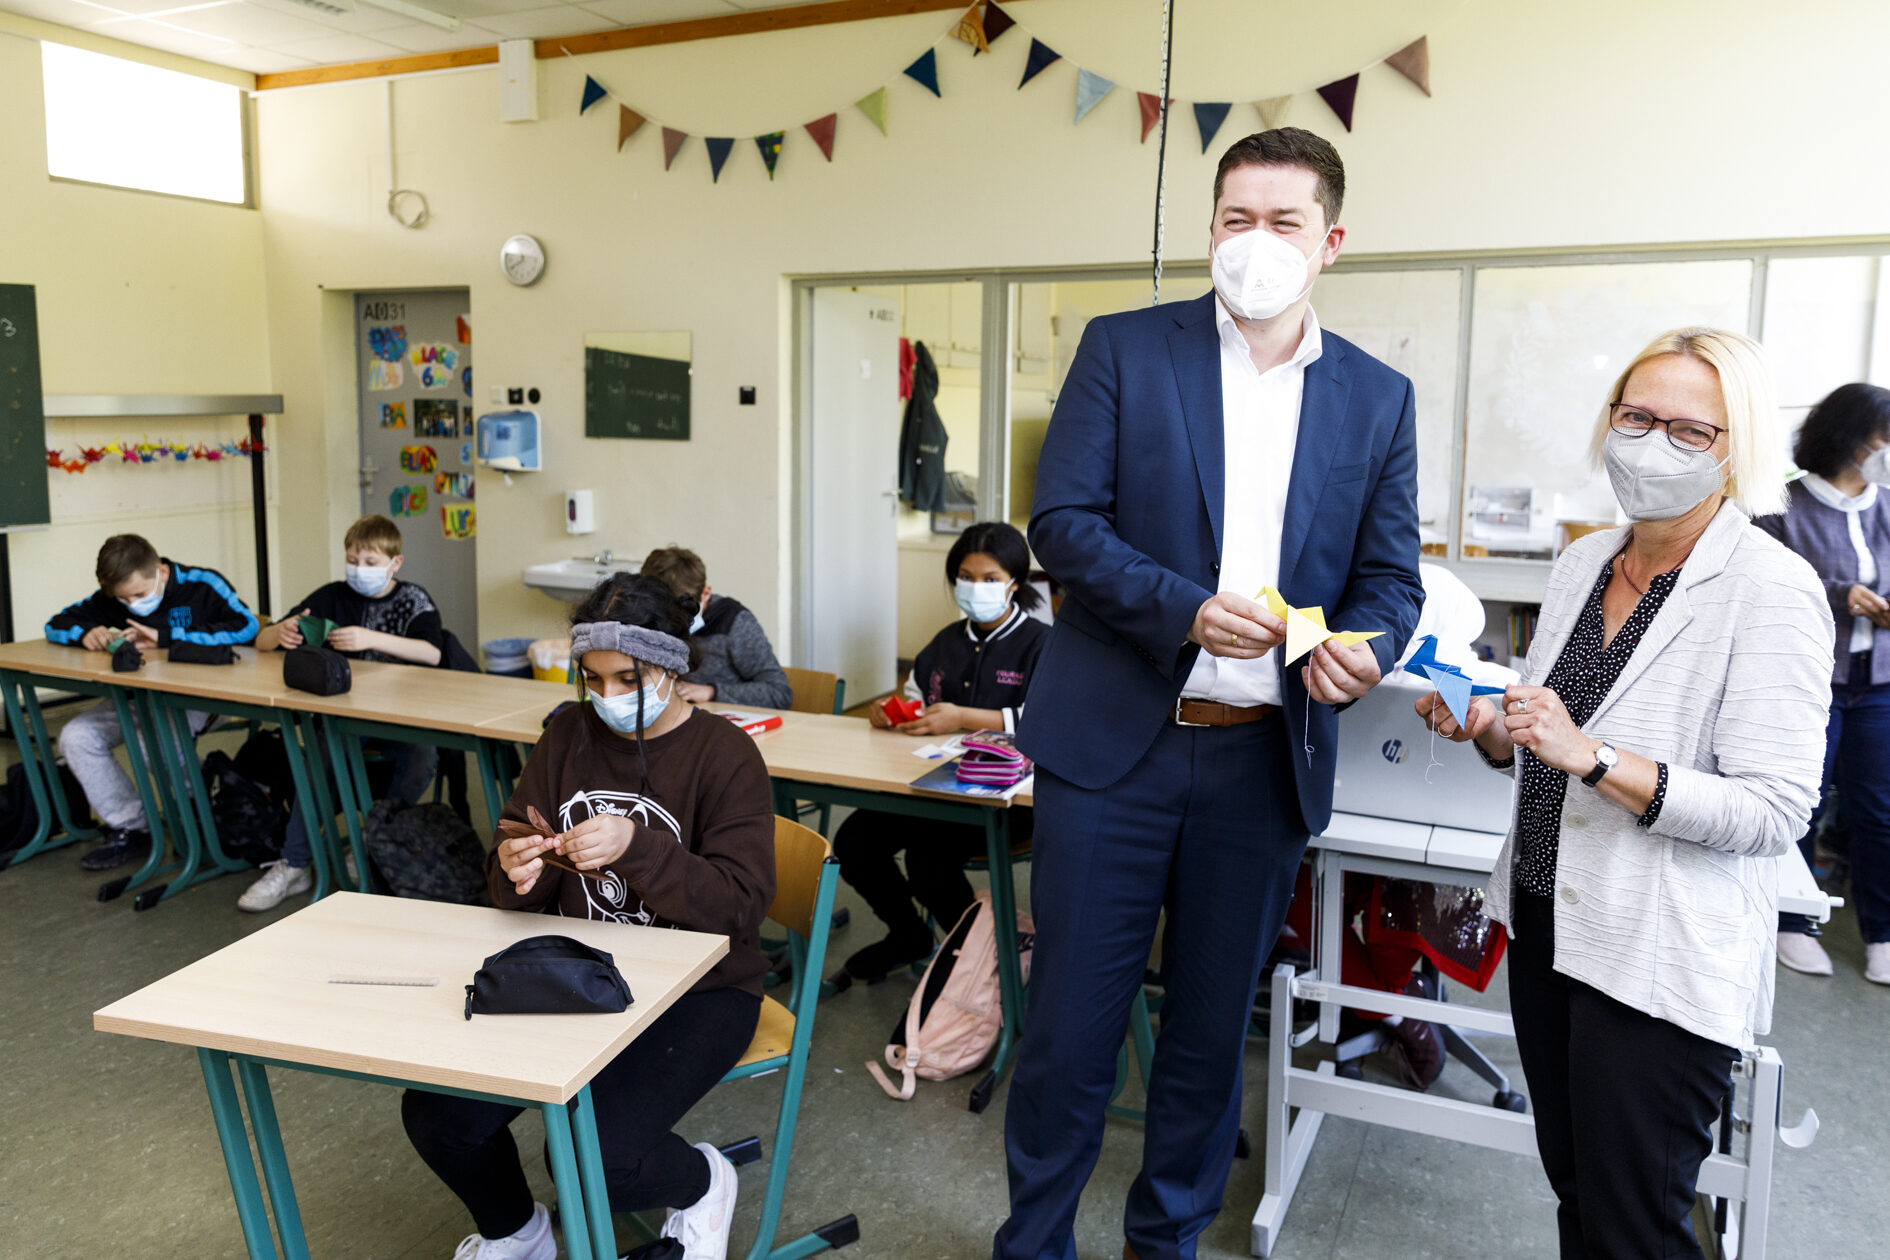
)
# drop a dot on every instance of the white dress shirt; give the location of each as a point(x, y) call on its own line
point(1863, 629)
point(1259, 431)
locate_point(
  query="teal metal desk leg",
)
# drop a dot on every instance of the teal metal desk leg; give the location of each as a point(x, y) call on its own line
point(306, 802)
point(564, 1172)
point(352, 809)
point(178, 806)
point(275, 1163)
point(147, 796)
point(490, 778)
point(590, 1163)
point(62, 811)
point(997, 847)
point(236, 1154)
point(35, 752)
point(322, 776)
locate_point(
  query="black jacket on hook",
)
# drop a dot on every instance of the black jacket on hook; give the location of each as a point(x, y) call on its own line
point(922, 439)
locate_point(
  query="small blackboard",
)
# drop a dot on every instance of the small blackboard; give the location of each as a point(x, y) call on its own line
point(22, 412)
point(635, 396)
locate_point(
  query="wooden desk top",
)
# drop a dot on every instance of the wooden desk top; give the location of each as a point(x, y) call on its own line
point(255, 677)
point(51, 660)
point(528, 723)
point(850, 752)
point(268, 995)
point(418, 695)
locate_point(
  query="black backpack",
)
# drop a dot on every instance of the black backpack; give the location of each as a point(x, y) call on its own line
point(427, 852)
point(19, 817)
point(250, 825)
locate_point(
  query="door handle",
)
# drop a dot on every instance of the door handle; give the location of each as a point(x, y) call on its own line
point(368, 469)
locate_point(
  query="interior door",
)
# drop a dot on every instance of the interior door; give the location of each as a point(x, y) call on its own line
point(414, 352)
point(852, 502)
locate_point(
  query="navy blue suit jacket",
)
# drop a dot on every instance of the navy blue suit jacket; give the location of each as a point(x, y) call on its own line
point(1127, 517)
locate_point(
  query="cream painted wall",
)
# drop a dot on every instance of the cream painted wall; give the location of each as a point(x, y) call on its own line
point(1602, 123)
point(137, 294)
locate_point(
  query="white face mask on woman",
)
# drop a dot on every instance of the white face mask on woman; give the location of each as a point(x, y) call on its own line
point(1260, 273)
point(1654, 480)
point(1876, 466)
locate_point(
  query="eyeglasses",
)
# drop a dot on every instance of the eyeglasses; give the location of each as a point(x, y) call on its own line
point(1688, 435)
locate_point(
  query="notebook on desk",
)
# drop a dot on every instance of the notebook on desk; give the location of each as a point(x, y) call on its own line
point(944, 781)
point(1385, 767)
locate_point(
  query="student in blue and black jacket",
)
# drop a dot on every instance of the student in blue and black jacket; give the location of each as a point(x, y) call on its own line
point(972, 676)
point(155, 602)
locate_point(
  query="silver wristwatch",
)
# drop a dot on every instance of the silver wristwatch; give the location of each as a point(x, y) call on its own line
point(1605, 759)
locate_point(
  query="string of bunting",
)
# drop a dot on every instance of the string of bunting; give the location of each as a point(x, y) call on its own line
point(979, 26)
point(149, 452)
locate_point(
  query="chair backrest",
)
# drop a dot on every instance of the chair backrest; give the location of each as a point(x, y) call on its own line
point(814, 691)
point(798, 854)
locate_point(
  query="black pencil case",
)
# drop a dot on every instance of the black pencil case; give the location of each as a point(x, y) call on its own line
point(186, 653)
point(547, 975)
point(321, 671)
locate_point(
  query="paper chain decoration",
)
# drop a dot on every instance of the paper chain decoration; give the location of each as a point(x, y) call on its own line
point(980, 30)
point(149, 452)
point(1306, 627)
point(1452, 683)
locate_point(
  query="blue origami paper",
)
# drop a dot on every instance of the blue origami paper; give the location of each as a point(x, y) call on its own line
point(924, 71)
point(1455, 686)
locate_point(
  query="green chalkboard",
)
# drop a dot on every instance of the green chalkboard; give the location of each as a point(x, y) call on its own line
point(22, 412)
point(635, 396)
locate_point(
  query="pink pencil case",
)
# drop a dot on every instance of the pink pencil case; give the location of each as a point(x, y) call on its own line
point(992, 760)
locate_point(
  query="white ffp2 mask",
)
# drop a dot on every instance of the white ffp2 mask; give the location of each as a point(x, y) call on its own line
point(1260, 273)
point(1654, 480)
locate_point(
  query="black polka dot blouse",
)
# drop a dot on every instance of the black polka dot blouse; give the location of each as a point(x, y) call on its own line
point(1581, 678)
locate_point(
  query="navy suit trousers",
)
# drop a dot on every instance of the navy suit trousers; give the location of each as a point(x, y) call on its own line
point(1206, 827)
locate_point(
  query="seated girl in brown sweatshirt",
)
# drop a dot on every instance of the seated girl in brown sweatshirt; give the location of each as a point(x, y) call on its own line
point(671, 807)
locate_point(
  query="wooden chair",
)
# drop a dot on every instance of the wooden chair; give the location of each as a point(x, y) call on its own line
point(805, 876)
point(816, 692)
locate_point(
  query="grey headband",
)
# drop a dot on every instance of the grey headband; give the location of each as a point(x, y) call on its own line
point(665, 651)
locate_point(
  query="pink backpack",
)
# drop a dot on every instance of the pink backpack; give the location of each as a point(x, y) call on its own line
point(955, 1014)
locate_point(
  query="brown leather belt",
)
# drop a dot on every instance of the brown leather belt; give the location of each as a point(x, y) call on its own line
point(1214, 713)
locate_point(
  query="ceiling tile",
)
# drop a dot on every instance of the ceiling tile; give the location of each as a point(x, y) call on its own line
point(264, 61)
point(362, 20)
point(338, 48)
point(646, 12)
point(171, 39)
point(64, 12)
point(479, 9)
point(248, 24)
point(428, 39)
point(563, 19)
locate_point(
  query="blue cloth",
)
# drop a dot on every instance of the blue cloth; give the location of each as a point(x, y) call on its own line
point(413, 764)
point(1200, 815)
point(1819, 532)
point(1856, 750)
point(1136, 814)
point(1138, 555)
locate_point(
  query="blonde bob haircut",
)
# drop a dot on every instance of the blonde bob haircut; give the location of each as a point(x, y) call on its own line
point(1755, 438)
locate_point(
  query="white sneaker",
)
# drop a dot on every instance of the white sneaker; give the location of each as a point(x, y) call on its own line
point(279, 880)
point(703, 1227)
point(1877, 962)
point(534, 1242)
point(1801, 952)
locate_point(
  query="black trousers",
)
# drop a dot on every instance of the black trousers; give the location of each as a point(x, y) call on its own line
point(868, 846)
point(639, 1096)
point(1624, 1104)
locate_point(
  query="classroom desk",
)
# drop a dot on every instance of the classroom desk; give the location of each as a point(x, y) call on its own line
point(265, 1000)
point(832, 759)
point(1355, 844)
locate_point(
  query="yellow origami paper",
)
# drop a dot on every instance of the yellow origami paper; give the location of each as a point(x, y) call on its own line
point(1306, 627)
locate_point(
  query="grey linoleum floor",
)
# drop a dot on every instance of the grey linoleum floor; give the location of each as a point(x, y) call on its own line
point(107, 1147)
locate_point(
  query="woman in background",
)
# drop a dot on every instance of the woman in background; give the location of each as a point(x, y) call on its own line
point(1839, 522)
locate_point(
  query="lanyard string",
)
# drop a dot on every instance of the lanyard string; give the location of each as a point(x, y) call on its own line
point(1161, 158)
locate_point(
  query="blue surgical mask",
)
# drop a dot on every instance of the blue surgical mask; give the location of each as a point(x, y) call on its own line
point(369, 579)
point(148, 605)
point(695, 626)
point(620, 712)
point(982, 601)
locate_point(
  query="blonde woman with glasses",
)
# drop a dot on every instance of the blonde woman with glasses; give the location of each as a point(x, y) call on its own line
point(1668, 746)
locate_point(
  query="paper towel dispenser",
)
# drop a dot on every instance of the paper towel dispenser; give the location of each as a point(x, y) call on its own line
point(508, 441)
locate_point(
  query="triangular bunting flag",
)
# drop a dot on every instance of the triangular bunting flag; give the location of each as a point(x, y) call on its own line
point(1090, 89)
point(672, 145)
point(1151, 111)
point(770, 146)
point(593, 93)
point(1041, 56)
point(971, 29)
point(873, 105)
point(628, 120)
point(1209, 116)
point(1341, 95)
point(821, 129)
point(996, 22)
point(1413, 61)
point(1273, 111)
point(718, 154)
point(924, 72)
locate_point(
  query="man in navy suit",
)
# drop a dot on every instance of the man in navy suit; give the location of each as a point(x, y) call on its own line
point(1199, 452)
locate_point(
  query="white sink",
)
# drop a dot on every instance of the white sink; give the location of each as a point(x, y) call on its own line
point(574, 579)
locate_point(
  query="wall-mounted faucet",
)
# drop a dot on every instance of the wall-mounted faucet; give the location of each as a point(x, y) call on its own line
point(604, 557)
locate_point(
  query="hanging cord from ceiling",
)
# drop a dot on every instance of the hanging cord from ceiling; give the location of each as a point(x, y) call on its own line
point(405, 206)
point(1161, 159)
